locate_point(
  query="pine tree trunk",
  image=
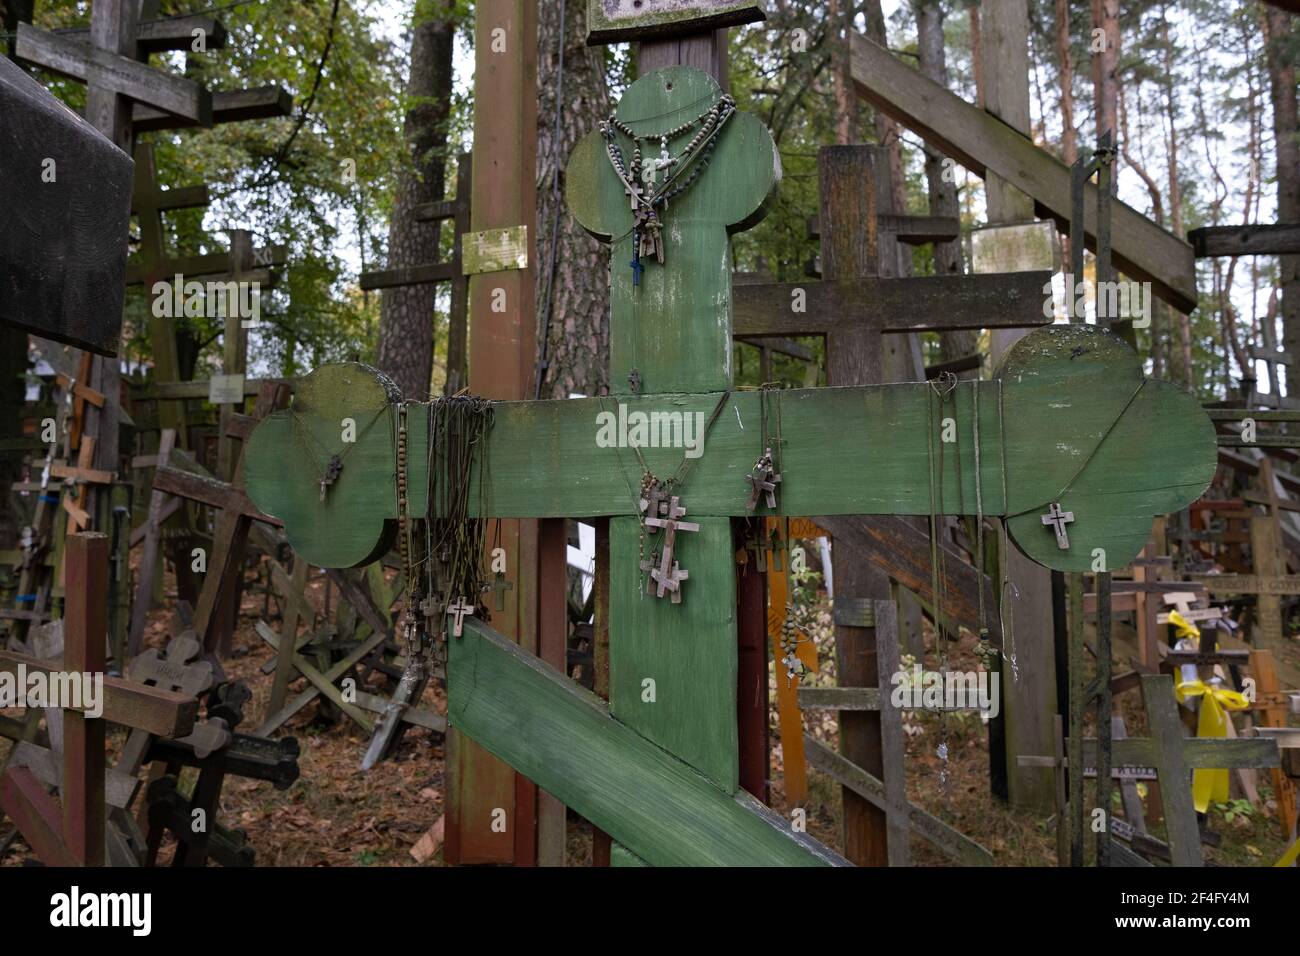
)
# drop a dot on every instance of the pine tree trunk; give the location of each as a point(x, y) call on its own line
point(1282, 80)
point(406, 314)
point(1105, 64)
point(943, 193)
point(577, 339)
point(1069, 139)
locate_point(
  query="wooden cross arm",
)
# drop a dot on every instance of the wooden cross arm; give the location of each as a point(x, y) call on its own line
point(983, 143)
point(37, 816)
point(1252, 239)
point(123, 75)
point(1011, 300)
point(563, 738)
point(208, 491)
point(228, 106)
point(1200, 753)
point(1069, 420)
point(168, 33)
point(125, 702)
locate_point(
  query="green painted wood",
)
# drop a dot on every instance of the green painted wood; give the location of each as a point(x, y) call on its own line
point(1063, 389)
point(620, 855)
point(563, 738)
point(688, 650)
point(675, 327)
point(1198, 753)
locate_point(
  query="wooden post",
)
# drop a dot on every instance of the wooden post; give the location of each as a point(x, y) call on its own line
point(849, 251)
point(501, 359)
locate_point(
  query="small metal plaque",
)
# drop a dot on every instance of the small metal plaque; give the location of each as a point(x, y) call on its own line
point(226, 390)
point(610, 21)
point(494, 250)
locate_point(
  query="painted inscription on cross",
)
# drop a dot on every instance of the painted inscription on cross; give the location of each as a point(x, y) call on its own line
point(853, 450)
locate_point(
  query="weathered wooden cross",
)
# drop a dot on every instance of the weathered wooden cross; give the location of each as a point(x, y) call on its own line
point(863, 450)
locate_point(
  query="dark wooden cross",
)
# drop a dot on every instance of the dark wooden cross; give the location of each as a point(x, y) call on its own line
point(457, 211)
point(673, 328)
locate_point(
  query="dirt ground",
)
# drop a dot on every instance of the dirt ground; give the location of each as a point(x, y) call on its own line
point(338, 815)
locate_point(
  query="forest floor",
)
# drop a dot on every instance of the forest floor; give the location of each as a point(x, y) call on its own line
point(338, 815)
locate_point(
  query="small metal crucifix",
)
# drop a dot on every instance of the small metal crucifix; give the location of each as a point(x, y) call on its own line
point(1058, 519)
point(763, 480)
point(667, 577)
point(332, 472)
point(457, 612)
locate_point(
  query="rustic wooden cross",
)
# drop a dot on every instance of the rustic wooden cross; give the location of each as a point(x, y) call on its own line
point(73, 834)
point(673, 329)
point(457, 612)
point(457, 211)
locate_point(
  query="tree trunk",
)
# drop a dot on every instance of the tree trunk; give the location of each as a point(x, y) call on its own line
point(1282, 79)
point(1105, 63)
point(577, 337)
point(976, 54)
point(406, 314)
point(943, 192)
point(1069, 140)
point(839, 16)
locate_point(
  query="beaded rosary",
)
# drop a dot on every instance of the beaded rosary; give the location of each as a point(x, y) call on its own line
point(649, 197)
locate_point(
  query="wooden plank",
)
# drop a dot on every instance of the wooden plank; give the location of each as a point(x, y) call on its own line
point(167, 33)
point(61, 283)
point(892, 750)
point(124, 76)
point(207, 491)
point(1249, 583)
point(435, 211)
point(126, 702)
point(839, 698)
point(951, 842)
point(1198, 753)
point(1252, 239)
point(903, 552)
point(611, 21)
point(982, 143)
point(564, 738)
point(1175, 775)
point(896, 304)
point(36, 815)
point(85, 628)
point(1158, 446)
point(410, 275)
point(228, 106)
point(198, 389)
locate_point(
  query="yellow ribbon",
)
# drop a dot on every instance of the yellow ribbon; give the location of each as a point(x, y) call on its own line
point(1290, 856)
point(1183, 627)
point(1210, 784)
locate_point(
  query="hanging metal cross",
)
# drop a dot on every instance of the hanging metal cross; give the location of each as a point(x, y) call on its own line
point(763, 480)
point(457, 612)
point(667, 577)
point(1058, 519)
point(332, 471)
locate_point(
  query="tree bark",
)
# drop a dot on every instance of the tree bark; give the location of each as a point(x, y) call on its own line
point(1105, 63)
point(1278, 27)
point(407, 314)
point(1069, 139)
point(839, 16)
point(943, 192)
point(577, 335)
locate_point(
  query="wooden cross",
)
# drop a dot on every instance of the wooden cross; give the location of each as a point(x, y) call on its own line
point(77, 478)
point(73, 834)
point(674, 332)
point(1058, 519)
point(457, 211)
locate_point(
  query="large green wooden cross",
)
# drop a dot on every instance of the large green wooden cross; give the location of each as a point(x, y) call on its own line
point(1069, 421)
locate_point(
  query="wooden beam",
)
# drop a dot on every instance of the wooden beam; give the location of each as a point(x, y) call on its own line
point(982, 143)
point(562, 737)
point(166, 33)
point(911, 304)
point(1267, 239)
point(228, 106)
point(124, 76)
point(912, 230)
point(125, 702)
point(410, 275)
